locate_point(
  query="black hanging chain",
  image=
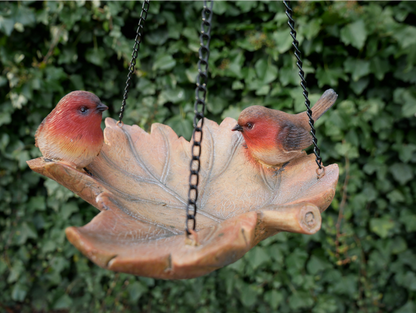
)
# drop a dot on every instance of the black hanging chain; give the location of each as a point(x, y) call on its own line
point(199, 109)
point(136, 47)
point(297, 53)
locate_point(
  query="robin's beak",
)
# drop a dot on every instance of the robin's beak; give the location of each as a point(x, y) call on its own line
point(237, 128)
point(102, 107)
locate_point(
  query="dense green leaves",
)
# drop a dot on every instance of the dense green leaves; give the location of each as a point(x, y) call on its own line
point(354, 34)
point(362, 260)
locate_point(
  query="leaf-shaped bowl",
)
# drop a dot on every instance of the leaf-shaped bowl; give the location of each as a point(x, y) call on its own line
point(139, 182)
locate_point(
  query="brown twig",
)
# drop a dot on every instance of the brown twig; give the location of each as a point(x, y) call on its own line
point(111, 286)
point(117, 299)
point(362, 271)
point(8, 310)
point(71, 285)
point(53, 45)
point(341, 212)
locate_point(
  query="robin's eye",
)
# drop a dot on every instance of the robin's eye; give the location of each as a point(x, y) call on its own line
point(249, 126)
point(83, 110)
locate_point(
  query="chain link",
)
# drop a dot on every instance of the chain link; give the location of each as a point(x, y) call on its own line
point(136, 47)
point(199, 109)
point(299, 63)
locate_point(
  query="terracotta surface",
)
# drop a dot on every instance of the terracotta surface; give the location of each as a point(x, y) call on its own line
point(139, 182)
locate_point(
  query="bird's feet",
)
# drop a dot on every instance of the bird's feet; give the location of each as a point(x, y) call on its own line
point(48, 160)
point(244, 146)
point(281, 169)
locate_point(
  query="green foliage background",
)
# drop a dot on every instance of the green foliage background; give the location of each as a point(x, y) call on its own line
point(362, 260)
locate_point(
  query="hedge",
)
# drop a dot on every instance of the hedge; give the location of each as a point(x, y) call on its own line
point(363, 258)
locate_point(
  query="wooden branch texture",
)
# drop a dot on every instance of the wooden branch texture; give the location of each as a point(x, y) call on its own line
point(139, 182)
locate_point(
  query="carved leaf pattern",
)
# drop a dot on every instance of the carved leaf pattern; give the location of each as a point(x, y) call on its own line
point(140, 183)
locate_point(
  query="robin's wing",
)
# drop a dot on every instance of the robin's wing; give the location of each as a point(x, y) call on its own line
point(294, 138)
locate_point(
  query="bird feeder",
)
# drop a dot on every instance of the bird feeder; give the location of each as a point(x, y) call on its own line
point(137, 183)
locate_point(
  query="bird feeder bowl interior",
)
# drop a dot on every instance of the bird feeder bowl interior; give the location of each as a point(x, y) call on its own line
point(139, 183)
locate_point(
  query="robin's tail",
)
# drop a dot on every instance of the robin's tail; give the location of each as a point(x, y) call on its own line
point(324, 103)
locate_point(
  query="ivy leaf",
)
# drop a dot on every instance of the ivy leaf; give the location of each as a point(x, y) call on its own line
point(183, 127)
point(409, 105)
point(235, 66)
point(405, 35)
point(300, 300)
point(157, 37)
point(379, 67)
point(68, 209)
point(231, 111)
point(172, 95)
point(401, 172)
point(289, 75)
point(246, 6)
point(19, 292)
point(316, 265)
point(409, 307)
point(330, 76)
point(258, 256)
point(346, 285)
point(164, 62)
point(63, 302)
point(25, 232)
point(6, 25)
point(326, 304)
point(191, 74)
point(354, 34)
point(265, 72)
point(220, 7)
point(283, 41)
point(407, 280)
point(409, 220)
point(381, 226)
point(248, 294)
point(96, 56)
point(15, 272)
point(359, 85)
point(274, 298)
point(312, 28)
point(396, 196)
point(216, 105)
point(358, 68)
point(136, 290)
